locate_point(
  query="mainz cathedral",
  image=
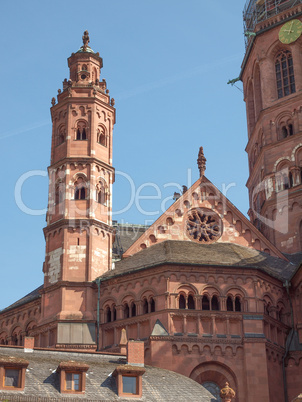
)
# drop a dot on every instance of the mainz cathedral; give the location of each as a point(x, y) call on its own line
point(204, 294)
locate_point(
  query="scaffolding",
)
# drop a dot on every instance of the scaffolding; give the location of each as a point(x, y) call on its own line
point(256, 11)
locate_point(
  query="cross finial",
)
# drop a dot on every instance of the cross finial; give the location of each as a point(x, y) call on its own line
point(86, 40)
point(201, 162)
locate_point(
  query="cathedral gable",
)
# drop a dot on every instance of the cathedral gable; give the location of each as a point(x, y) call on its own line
point(205, 216)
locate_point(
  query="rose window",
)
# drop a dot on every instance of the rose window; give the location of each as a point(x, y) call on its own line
point(203, 225)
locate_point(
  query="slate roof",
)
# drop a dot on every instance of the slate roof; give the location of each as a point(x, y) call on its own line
point(126, 235)
point(35, 294)
point(42, 380)
point(215, 254)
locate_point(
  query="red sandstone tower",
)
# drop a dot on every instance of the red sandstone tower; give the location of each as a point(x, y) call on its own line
point(79, 225)
point(272, 80)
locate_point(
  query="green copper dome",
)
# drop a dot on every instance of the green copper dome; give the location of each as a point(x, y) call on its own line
point(87, 50)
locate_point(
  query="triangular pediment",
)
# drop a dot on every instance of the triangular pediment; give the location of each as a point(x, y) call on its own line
point(204, 215)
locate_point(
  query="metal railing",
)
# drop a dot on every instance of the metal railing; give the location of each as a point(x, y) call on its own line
point(256, 11)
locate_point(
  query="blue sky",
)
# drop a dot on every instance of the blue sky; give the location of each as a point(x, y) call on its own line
point(166, 62)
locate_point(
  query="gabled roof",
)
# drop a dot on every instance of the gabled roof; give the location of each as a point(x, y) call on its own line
point(35, 294)
point(203, 195)
point(191, 253)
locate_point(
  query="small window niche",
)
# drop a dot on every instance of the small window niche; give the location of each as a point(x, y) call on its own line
point(72, 377)
point(12, 373)
point(129, 381)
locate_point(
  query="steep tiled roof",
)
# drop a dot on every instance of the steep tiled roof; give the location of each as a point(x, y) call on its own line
point(191, 253)
point(125, 236)
point(42, 380)
point(26, 299)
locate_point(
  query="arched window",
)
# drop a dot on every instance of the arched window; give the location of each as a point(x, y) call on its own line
point(114, 313)
point(191, 303)
point(205, 303)
point(59, 193)
point(250, 108)
point(145, 306)
point(15, 340)
point(79, 189)
point(281, 314)
point(267, 308)
point(182, 302)
point(285, 181)
point(133, 310)
point(81, 131)
point(101, 195)
point(61, 135)
point(237, 304)
point(286, 130)
point(215, 303)
point(152, 305)
point(108, 315)
point(214, 390)
point(230, 304)
point(101, 137)
point(285, 78)
point(126, 311)
point(290, 180)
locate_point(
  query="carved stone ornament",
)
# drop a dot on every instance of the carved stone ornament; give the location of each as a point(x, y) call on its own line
point(203, 225)
point(227, 393)
point(201, 162)
point(86, 40)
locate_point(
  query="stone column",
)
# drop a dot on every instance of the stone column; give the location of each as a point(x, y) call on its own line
point(138, 330)
point(184, 324)
point(200, 328)
point(213, 325)
point(228, 326)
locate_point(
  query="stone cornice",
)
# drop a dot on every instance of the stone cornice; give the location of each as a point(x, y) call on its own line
point(81, 159)
point(76, 223)
point(67, 284)
point(196, 340)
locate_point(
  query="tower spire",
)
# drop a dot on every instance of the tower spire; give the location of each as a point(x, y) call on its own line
point(201, 162)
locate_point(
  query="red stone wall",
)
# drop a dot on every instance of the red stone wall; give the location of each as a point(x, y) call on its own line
point(294, 375)
point(18, 323)
point(275, 374)
point(274, 209)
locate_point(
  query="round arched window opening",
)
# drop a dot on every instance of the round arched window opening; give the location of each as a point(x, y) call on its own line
point(214, 390)
point(203, 225)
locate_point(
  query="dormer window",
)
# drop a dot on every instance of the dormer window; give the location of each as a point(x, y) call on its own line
point(129, 381)
point(12, 373)
point(12, 378)
point(72, 381)
point(72, 377)
point(129, 385)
